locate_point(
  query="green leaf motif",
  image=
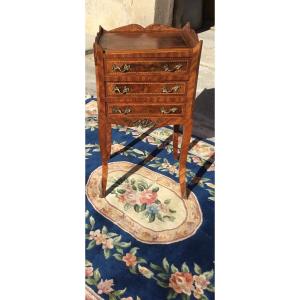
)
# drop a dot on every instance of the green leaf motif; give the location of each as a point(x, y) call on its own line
point(91, 245)
point(171, 295)
point(172, 211)
point(106, 253)
point(185, 268)
point(88, 263)
point(163, 276)
point(134, 250)
point(104, 230)
point(203, 297)
point(174, 269)
point(159, 217)
point(210, 288)
point(197, 269)
point(166, 265)
point(133, 270)
point(136, 208)
point(124, 244)
point(92, 222)
point(162, 284)
point(117, 239)
point(97, 275)
point(121, 191)
point(119, 250)
point(156, 267)
point(167, 201)
point(112, 297)
point(119, 292)
point(87, 213)
point(185, 297)
point(117, 256)
point(143, 207)
point(151, 218)
point(140, 187)
point(209, 275)
point(141, 260)
point(90, 281)
point(155, 189)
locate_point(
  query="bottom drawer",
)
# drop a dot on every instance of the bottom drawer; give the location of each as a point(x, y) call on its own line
point(145, 109)
point(145, 122)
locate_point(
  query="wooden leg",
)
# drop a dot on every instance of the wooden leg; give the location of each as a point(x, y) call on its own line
point(175, 141)
point(108, 139)
point(104, 154)
point(186, 137)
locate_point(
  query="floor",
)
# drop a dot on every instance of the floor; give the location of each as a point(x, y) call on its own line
point(204, 114)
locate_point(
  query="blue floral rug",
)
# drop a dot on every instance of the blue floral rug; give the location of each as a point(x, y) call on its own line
point(143, 241)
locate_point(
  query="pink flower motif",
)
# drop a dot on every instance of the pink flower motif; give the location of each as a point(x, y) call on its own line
point(108, 244)
point(148, 197)
point(105, 287)
point(130, 197)
point(97, 236)
point(198, 292)
point(129, 259)
point(181, 282)
point(89, 271)
point(200, 281)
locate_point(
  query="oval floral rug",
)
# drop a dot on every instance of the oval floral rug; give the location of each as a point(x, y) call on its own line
point(143, 241)
point(145, 204)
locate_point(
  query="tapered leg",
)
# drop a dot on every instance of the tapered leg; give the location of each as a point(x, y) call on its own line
point(175, 141)
point(186, 136)
point(104, 154)
point(108, 139)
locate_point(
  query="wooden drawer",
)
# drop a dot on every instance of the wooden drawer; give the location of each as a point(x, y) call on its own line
point(127, 67)
point(145, 109)
point(122, 89)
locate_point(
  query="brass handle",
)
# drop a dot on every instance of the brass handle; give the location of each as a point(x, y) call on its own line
point(172, 110)
point(117, 110)
point(174, 89)
point(123, 69)
point(175, 68)
point(117, 90)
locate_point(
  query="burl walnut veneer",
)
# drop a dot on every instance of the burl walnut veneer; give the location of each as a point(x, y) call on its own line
point(146, 77)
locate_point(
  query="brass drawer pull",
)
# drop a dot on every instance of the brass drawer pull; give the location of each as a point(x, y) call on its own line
point(172, 110)
point(174, 89)
point(123, 69)
point(175, 68)
point(116, 110)
point(117, 90)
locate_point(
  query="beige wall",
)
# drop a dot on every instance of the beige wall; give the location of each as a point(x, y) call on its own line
point(115, 13)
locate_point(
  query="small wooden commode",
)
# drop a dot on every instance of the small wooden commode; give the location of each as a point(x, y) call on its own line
point(146, 77)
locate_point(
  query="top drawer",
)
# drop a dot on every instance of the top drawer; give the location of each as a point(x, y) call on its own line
point(155, 67)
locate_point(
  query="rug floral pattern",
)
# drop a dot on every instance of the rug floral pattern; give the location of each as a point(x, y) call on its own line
point(121, 265)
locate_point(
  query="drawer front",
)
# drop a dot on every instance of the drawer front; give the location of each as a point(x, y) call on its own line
point(122, 89)
point(145, 109)
point(146, 66)
point(145, 122)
